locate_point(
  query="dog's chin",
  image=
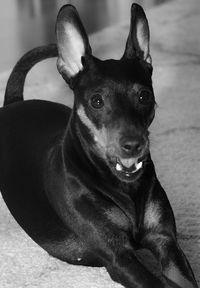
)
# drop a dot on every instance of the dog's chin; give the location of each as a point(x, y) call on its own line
point(126, 170)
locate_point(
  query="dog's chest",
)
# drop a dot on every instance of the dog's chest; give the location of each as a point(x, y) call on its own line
point(118, 218)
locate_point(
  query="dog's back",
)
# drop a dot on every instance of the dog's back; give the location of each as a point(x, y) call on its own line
point(29, 128)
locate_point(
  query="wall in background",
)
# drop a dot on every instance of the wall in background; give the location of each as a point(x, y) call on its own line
point(27, 24)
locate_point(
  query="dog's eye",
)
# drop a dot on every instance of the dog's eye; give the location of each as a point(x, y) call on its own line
point(97, 101)
point(145, 97)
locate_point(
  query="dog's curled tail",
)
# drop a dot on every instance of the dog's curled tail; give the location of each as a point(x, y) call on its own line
point(15, 84)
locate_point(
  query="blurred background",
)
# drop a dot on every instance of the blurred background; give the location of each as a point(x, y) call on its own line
point(25, 24)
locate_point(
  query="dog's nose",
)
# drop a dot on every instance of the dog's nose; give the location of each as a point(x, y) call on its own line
point(132, 147)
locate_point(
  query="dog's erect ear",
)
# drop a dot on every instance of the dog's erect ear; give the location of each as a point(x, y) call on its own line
point(137, 44)
point(72, 42)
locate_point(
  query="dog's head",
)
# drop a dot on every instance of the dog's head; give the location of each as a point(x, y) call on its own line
point(114, 101)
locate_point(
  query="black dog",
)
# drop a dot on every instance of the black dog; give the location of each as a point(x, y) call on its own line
point(81, 183)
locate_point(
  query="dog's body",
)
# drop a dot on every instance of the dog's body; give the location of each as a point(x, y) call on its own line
point(81, 183)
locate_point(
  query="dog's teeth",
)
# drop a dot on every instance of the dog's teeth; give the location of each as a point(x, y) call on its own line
point(128, 163)
point(118, 167)
point(138, 165)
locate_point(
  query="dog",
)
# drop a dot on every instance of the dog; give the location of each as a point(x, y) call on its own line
point(81, 182)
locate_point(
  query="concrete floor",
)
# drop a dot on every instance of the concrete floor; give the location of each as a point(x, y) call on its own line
point(175, 138)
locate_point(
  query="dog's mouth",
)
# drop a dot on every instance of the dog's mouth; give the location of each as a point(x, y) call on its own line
point(128, 166)
point(127, 169)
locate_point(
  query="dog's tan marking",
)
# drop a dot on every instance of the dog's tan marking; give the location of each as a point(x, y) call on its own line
point(100, 136)
point(152, 215)
point(174, 274)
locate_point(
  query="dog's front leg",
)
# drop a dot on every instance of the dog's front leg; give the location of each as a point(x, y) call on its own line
point(109, 244)
point(127, 270)
point(173, 262)
point(159, 236)
point(113, 246)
